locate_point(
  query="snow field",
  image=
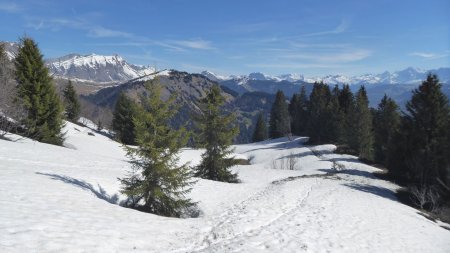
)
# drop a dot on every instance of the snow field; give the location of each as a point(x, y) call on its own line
point(55, 199)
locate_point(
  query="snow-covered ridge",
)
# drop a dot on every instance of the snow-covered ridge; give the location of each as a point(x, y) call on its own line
point(407, 76)
point(99, 68)
point(253, 76)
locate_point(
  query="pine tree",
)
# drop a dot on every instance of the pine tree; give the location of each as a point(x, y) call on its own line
point(122, 123)
point(346, 99)
point(71, 102)
point(346, 105)
point(336, 117)
point(320, 120)
point(260, 133)
point(386, 123)
point(362, 138)
point(37, 93)
point(399, 153)
point(279, 123)
point(428, 118)
point(298, 113)
point(216, 131)
point(157, 183)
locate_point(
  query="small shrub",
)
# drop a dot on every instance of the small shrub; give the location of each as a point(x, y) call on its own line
point(425, 198)
point(286, 163)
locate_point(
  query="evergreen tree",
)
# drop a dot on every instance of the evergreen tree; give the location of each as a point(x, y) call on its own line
point(320, 121)
point(336, 116)
point(37, 93)
point(386, 123)
point(399, 152)
point(157, 183)
point(279, 123)
point(428, 120)
point(260, 133)
point(362, 138)
point(346, 105)
point(216, 131)
point(71, 102)
point(346, 99)
point(123, 123)
point(298, 112)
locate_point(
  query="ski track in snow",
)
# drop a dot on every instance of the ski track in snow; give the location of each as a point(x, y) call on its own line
point(56, 199)
point(269, 215)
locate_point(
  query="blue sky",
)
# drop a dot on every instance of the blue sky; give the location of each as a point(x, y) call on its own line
point(313, 38)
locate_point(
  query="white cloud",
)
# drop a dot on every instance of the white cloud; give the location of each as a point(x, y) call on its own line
point(423, 55)
point(10, 7)
point(293, 65)
point(337, 57)
point(193, 44)
point(101, 32)
point(342, 27)
point(431, 55)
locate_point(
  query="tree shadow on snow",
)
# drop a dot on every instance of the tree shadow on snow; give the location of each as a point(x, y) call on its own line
point(279, 146)
point(352, 172)
point(379, 191)
point(297, 155)
point(100, 193)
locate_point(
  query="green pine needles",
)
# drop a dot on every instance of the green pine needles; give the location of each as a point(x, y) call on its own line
point(260, 133)
point(216, 131)
point(279, 122)
point(36, 92)
point(71, 103)
point(122, 123)
point(157, 183)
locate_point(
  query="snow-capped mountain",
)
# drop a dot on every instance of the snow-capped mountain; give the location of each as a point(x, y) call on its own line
point(213, 76)
point(11, 49)
point(96, 68)
point(91, 68)
point(407, 76)
point(294, 77)
point(255, 76)
point(114, 69)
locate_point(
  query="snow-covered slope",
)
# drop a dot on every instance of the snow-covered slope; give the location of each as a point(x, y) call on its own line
point(97, 68)
point(55, 199)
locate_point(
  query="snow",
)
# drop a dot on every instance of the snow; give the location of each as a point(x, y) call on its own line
point(64, 199)
point(66, 65)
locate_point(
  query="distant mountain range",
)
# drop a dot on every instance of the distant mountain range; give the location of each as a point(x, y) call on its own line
point(407, 76)
point(114, 69)
point(99, 79)
point(93, 72)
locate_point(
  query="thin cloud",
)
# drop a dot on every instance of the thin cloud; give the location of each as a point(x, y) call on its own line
point(193, 44)
point(319, 45)
point(248, 27)
point(293, 65)
point(342, 27)
point(95, 31)
point(98, 31)
point(339, 57)
point(102, 32)
point(426, 55)
point(10, 7)
point(55, 24)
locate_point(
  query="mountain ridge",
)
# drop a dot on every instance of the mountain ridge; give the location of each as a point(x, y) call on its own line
point(115, 69)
